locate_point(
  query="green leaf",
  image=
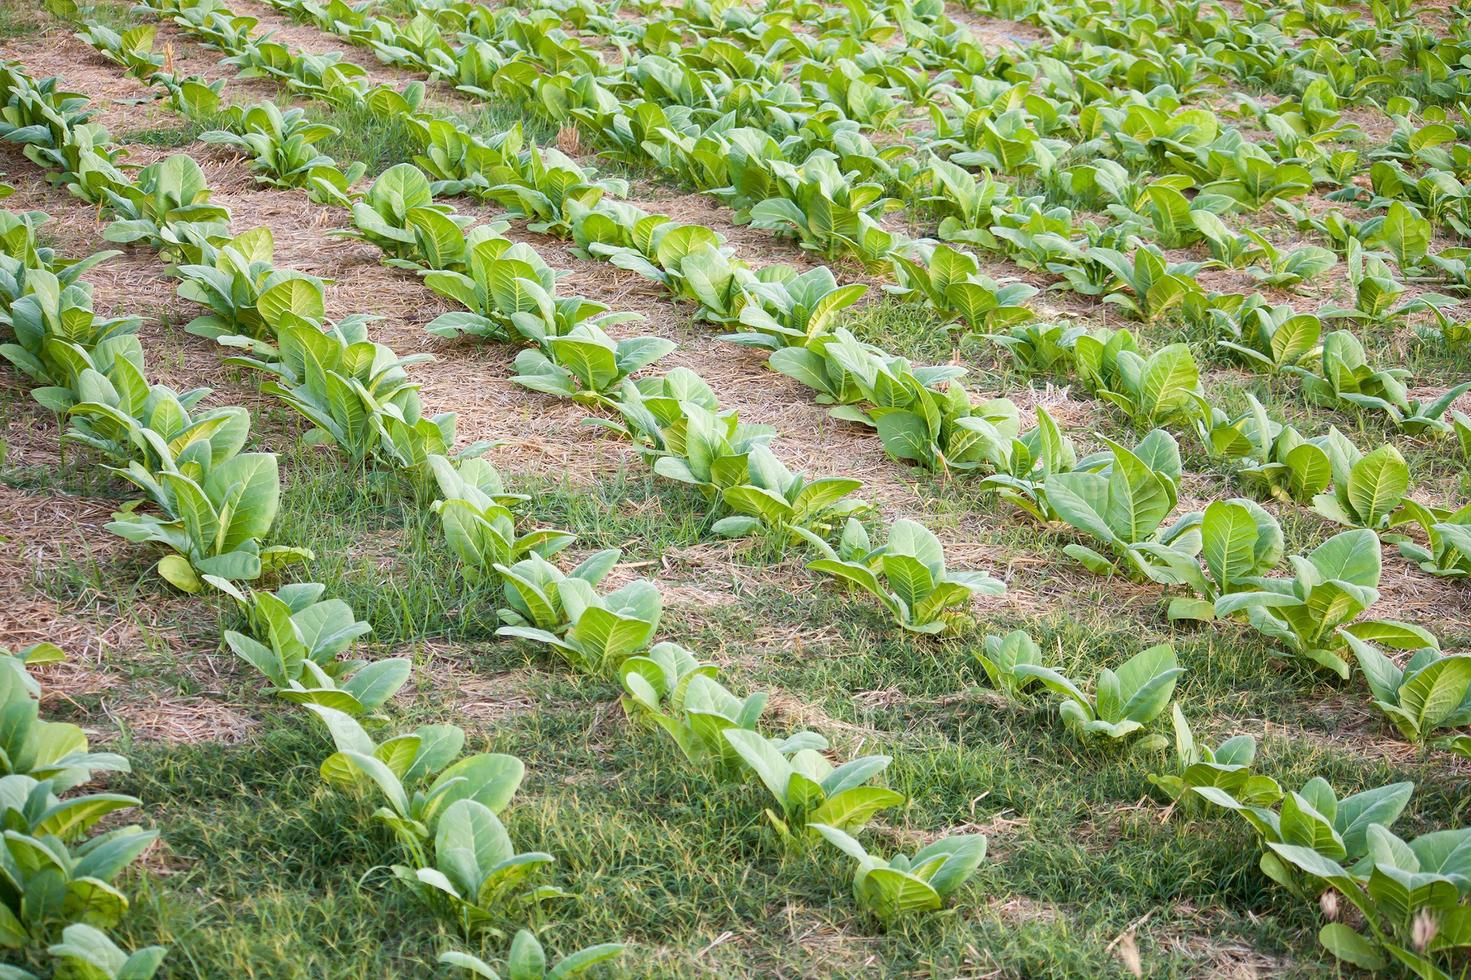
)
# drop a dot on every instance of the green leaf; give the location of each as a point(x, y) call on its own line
point(1376, 485)
point(1351, 947)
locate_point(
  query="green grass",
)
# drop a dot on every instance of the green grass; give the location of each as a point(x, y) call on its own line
point(268, 872)
point(493, 117)
point(168, 137)
point(278, 874)
point(898, 326)
point(356, 521)
point(378, 140)
point(21, 20)
point(381, 140)
point(274, 874)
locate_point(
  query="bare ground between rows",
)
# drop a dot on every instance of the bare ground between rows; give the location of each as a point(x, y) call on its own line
point(56, 543)
point(473, 379)
point(547, 436)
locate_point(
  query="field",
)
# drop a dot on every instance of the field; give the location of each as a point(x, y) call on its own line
point(735, 489)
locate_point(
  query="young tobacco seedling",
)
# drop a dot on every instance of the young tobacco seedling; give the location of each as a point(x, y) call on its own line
point(1431, 691)
point(774, 500)
point(602, 631)
point(907, 574)
point(1122, 497)
point(533, 588)
point(906, 884)
point(1001, 656)
point(417, 775)
point(86, 952)
point(1448, 535)
point(1368, 489)
point(1123, 701)
point(528, 961)
point(220, 522)
point(476, 872)
point(167, 208)
point(479, 525)
point(1334, 828)
point(1310, 613)
point(670, 689)
point(1227, 767)
point(1239, 541)
point(1409, 896)
point(809, 790)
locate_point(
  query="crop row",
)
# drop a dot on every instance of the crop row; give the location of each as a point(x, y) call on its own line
point(1272, 338)
point(295, 636)
point(919, 421)
point(212, 506)
point(1153, 672)
point(1165, 173)
point(1161, 388)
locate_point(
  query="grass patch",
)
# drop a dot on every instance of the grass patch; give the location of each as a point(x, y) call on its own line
point(898, 326)
point(381, 550)
point(275, 873)
point(378, 140)
point(21, 20)
point(492, 118)
point(168, 137)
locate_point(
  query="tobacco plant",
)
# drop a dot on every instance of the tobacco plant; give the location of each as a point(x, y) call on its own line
point(790, 309)
point(533, 588)
point(167, 208)
point(1153, 390)
point(705, 448)
point(528, 961)
point(1309, 613)
point(907, 574)
point(280, 144)
point(601, 631)
point(53, 753)
point(1002, 656)
point(418, 776)
point(1031, 460)
point(585, 364)
point(907, 884)
point(1227, 768)
point(950, 282)
point(774, 500)
point(1270, 338)
point(1123, 701)
point(246, 293)
point(807, 788)
point(1239, 541)
point(297, 638)
point(670, 689)
point(1147, 285)
point(1272, 459)
point(477, 874)
point(86, 951)
point(46, 883)
point(216, 523)
point(479, 524)
point(1431, 691)
point(1368, 488)
point(398, 214)
point(1447, 552)
point(1122, 498)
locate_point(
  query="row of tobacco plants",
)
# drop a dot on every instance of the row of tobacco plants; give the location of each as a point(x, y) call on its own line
point(1121, 501)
